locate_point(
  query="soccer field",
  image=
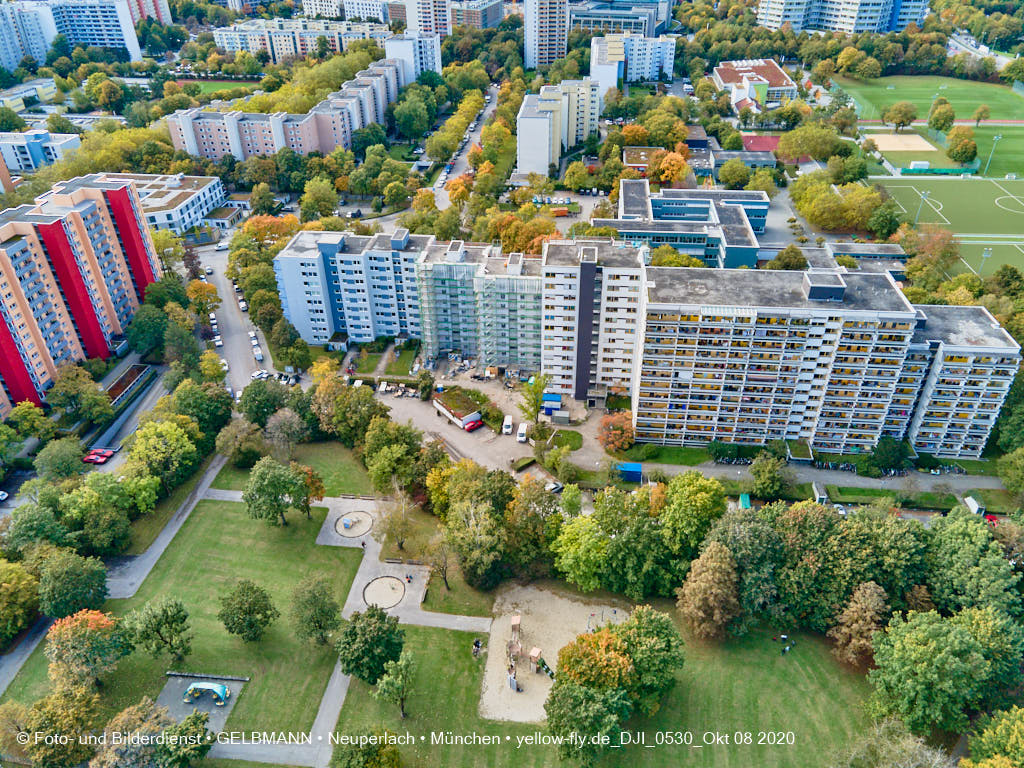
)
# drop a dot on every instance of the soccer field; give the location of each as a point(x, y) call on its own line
point(873, 96)
point(984, 213)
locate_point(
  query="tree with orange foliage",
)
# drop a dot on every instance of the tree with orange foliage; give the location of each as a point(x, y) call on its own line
point(616, 431)
point(597, 660)
point(315, 489)
point(672, 167)
point(459, 189)
point(635, 135)
point(83, 647)
point(267, 230)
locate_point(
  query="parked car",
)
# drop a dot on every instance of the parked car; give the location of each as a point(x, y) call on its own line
point(4, 496)
point(554, 487)
point(254, 342)
point(243, 306)
point(473, 426)
point(222, 246)
point(209, 270)
point(217, 342)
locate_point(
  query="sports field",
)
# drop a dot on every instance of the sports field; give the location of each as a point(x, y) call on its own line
point(873, 96)
point(1007, 158)
point(984, 213)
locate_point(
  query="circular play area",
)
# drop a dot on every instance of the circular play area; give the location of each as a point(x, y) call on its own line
point(384, 592)
point(352, 525)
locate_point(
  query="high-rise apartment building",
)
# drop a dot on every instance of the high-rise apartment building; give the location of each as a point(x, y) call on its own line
point(324, 9)
point(28, 27)
point(547, 31)
point(158, 10)
point(367, 10)
point(285, 39)
point(630, 58)
point(73, 269)
point(850, 16)
point(558, 118)
point(418, 52)
point(479, 14)
point(329, 124)
point(431, 17)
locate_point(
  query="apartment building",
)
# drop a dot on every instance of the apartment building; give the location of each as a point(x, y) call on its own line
point(480, 304)
point(366, 10)
point(850, 16)
point(417, 52)
point(479, 14)
point(395, 10)
point(755, 84)
point(430, 17)
point(630, 58)
point(74, 267)
point(546, 25)
point(325, 9)
point(591, 311)
point(556, 119)
point(28, 27)
point(329, 124)
point(157, 10)
point(29, 151)
point(286, 39)
point(719, 226)
point(647, 19)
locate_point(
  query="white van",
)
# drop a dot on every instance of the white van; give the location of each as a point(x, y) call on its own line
point(506, 426)
point(521, 434)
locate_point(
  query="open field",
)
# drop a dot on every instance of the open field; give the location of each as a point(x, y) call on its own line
point(341, 472)
point(874, 96)
point(148, 527)
point(217, 546)
point(985, 213)
point(212, 86)
point(742, 685)
point(1008, 157)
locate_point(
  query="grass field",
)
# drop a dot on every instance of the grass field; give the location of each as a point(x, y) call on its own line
point(743, 685)
point(920, 500)
point(985, 213)
point(147, 528)
point(874, 96)
point(402, 365)
point(218, 545)
point(1007, 158)
point(341, 472)
point(996, 500)
point(212, 86)
point(369, 363)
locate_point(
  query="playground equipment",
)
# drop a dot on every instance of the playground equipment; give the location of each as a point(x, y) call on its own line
point(515, 647)
point(220, 693)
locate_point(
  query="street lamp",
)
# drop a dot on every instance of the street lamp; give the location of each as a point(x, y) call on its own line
point(995, 140)
point(924, 196)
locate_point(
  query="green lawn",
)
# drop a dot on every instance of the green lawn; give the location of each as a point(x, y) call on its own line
point(568, 437)
point(402, 365)
point(1008, 156)
point(341, 471)
point(845, 494)
point(401, 152)
point(212, 86)
point(669, 454)
point(978, 466)
point(996, 500)
point(369, 363)
point(147, 528)
point(874, 96)
point(218, 545)
point(743, 685)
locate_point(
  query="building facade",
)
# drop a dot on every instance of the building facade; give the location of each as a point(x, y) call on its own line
point(367, 10)
point(546, 27)
point(756, 84)
point(430, 17)
point(850, 16)
point(558, 118)
point(647, 19)
point(30, 26)
point(73, 270)
point(286, 39)
point(417, 52)
point(479, 14)
point(29, 151)
point(157, 10)
point(324, 9)
point(630, 58)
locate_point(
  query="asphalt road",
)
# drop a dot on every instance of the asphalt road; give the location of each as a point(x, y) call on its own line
point(461, 161)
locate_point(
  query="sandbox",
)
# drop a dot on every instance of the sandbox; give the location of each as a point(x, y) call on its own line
point(384, 592)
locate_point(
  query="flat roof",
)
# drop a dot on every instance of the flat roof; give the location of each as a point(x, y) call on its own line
point(819, 258)
point(962, 326)
point(769, 288)
point(633, 197)
point(158, 192)
point(874, 249)
point(610, 253)
point(747, 156)
point(306, 244)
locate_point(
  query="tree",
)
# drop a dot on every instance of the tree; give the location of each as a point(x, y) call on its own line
point(146, 330)
point(314, 610)
point(533, 398)
point(411, 118)
point(888, 743)
point(31, 421)
point(439, 557)
point(395, 684)
point(60, 459)
point(597, 660)
point(367, 642)
point(1000, 734)
point(928, 672)
point(262, 200)
point(901, 114)
point(131, 737)
point(369, 749)
point(242, 442)
point(580, 551)
point(960, 144)
point(857, 624)
point(667, 256)
point(790, 257)
point(319, 199)
point(10, 121)
point(616, 431)
point(273, 488)
point(284, 430)
point(890, 453)
point(655, 648)
point(574, 708)
point(203, 298)
point(708, 600)
point(941, 118)
point(1001, 641)
point(168, 246)
point(186, 743)
point(353, 410)
point(692, 504)
point(393, 520)
point(161, 626)
point(247, 611)
point(78, 395)
point(734, 174)
point(19, 600)
point(768, 473)
point(69, 583)
point(83, 647)
point(981, 113)
point(62, 722)
point(163, 449)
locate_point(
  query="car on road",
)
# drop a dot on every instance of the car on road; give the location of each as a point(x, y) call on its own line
point(217, 342)
point(554, 487)
point(4, 495)
point(222, 246)
point(95, 458)
point(243, 306)
point(209, 270)
point(254, 342)
point(257, 353)
point(252, 334)
point(473, 426)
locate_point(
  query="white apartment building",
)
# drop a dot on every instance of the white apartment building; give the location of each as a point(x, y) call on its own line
point(366, 10)
point(591, 313)
point(850, 16)
point(546, 32)
point(28, 27)
point(28, 151)
point(418, 53)
point(630, 58)
point(431, 17)
point(556, 119)
point(285, 39)
point(323, 9)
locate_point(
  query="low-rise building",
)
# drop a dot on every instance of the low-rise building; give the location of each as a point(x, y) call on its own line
point(37, 91)
point(27, 152)
point(755, 84)
point(752, 160)
point(642, 17)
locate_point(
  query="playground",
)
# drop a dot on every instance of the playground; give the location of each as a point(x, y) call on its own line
point(174, 693)
point(529, 619)
point(984, 213)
